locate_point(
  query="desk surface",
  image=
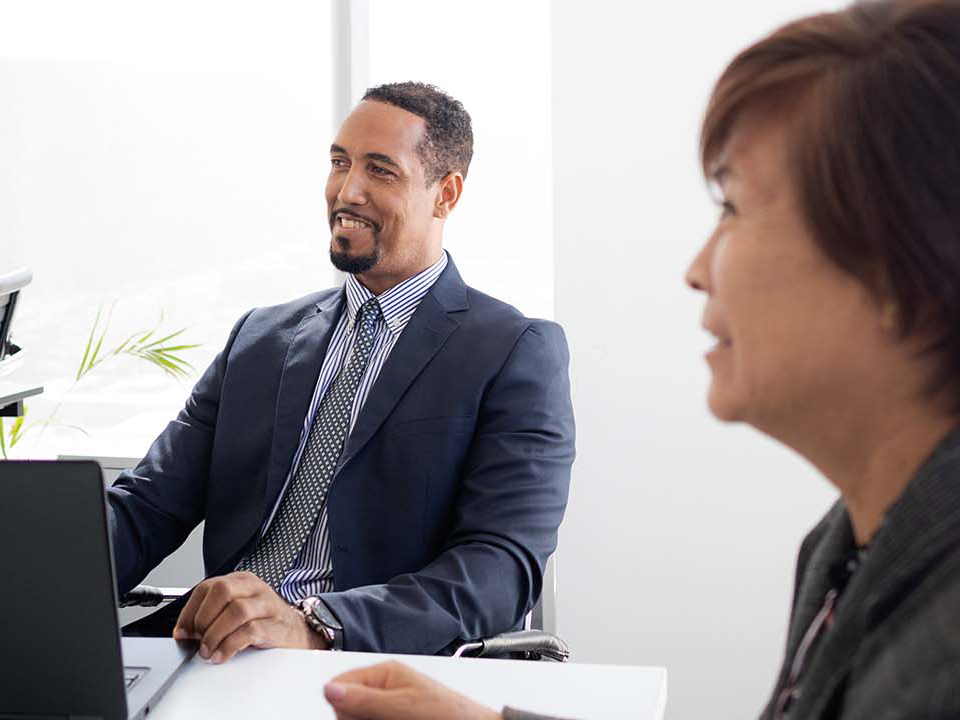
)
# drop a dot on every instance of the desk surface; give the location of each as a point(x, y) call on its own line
point(289, 683)
point(11, 393)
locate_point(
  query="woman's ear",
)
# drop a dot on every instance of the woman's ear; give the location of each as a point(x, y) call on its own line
point(890, 317)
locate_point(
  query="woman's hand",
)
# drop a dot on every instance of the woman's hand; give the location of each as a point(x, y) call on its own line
point(392, 691)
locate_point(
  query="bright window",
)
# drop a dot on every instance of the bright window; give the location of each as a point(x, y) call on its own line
point(163, 156)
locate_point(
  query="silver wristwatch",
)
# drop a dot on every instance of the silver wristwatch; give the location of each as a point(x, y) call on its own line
point(321, 621)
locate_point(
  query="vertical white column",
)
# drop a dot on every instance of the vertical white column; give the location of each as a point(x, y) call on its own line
point(351, 64)
point(351, 55)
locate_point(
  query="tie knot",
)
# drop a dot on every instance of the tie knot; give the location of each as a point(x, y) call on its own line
point(369, 313)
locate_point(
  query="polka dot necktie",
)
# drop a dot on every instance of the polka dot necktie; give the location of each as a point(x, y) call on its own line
point(279, 547)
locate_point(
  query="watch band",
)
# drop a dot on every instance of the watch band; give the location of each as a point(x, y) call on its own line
point(315, 625)
point(319, 619)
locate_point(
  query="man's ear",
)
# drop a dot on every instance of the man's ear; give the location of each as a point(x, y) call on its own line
point(449, 190)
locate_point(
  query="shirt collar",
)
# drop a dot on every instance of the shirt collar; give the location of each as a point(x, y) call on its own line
point(399, 302)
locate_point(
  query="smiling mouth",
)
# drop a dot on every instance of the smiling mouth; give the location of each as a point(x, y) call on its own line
point(722, 343)
point(344, 220)
point(351, 223)
point(721, 339)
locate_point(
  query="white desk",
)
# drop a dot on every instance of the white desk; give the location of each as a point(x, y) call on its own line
point(12, 397)
point(266, 684)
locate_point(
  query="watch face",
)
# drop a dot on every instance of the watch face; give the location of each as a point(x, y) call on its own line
point(322, 613)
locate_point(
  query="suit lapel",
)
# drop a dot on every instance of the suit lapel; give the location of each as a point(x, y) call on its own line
point(432, 323)
point(301, 368)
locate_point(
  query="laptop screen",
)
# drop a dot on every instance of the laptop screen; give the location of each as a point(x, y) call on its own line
point(61, 643)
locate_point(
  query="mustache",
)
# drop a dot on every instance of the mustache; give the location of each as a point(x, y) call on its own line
point(356, 216)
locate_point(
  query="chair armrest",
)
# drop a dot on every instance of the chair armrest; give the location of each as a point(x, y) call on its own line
point(150, 596)
point(527, 644)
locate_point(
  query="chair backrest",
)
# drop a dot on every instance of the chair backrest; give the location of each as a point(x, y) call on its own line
point(544, 613)
point(10, 285)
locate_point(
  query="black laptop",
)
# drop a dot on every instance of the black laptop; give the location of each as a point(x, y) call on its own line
point(61, 655)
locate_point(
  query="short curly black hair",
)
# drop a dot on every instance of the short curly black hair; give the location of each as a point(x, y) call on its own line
point(447, 144)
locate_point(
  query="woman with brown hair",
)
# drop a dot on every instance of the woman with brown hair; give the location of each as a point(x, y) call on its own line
point(832, 286)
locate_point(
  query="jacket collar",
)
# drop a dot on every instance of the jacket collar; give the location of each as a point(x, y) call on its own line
point(920, 528)
point(435, 319)
point(399, 303)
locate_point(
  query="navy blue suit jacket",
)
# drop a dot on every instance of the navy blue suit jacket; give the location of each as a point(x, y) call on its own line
point(449, 491)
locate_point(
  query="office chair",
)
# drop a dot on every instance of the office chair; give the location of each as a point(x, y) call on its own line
point(10, 286)
point(530, 644)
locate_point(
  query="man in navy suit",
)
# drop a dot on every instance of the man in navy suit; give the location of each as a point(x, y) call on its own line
point(381, 466)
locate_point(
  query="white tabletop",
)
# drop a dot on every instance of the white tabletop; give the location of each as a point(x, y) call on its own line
point(11, 392)
point(289, 683)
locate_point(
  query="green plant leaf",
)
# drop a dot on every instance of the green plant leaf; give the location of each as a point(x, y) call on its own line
point(163, 339)
point(96, 351)
point(53, 422)
point(137, 344)
point(86, 351)
point(10, 436)
point(175, 365)
point(168, 353)
point(160, 361)
point(173, 348)
point(15, 433)
point(120, 348)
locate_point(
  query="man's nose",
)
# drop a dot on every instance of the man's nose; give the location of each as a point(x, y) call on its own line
point(353, 191)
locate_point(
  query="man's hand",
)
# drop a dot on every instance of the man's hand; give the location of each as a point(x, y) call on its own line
point(392, 691)
point(230, 613)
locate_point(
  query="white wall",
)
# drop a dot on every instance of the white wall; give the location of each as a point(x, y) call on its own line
point(679, 543)
point(495, 59)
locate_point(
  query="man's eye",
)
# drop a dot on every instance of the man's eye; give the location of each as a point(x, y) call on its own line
point(338, 162)
point(727, 209)
point(377, 170)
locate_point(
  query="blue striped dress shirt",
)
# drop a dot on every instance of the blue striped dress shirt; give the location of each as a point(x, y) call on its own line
point(312, 572)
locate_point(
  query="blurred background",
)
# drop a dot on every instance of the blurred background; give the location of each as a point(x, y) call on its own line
point(170, 159)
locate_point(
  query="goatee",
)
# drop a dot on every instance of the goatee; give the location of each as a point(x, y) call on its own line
point(353, 265)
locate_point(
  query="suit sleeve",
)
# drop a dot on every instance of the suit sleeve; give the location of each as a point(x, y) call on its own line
point(515, 481)
point(154, 507)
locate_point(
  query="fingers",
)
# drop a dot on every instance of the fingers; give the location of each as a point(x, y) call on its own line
point(235, 628)
point(253, 634)
point(209, 599)
point(377, 676)
point(184, 629)
point(393, 690)
point(360, 702)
